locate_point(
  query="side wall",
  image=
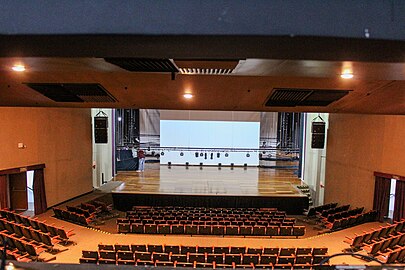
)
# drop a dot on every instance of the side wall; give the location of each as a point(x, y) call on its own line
point(60, 138)
point(358, 145)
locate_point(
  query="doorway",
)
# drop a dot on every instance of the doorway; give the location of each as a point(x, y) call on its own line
point(18, 191)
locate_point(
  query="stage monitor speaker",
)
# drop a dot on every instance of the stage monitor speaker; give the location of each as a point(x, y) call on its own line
point(101, 129)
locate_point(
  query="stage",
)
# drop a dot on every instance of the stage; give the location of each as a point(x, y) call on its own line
point(210, 187)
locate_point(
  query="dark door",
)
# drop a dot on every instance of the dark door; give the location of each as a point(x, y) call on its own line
point(18, 191)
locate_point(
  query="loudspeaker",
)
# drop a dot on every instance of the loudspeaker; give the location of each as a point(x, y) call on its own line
point(318, 135)
point(101, 129)
point(318, 141)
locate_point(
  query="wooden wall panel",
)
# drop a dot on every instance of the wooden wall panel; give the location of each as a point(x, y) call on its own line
point(58, 137)
point(359, 145)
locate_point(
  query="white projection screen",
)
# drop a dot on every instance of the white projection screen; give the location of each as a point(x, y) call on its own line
point(215, 142)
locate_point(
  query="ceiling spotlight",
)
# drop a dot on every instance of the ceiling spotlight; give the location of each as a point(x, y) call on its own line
point(346, 75)
point(18, 68)
point(187, 96)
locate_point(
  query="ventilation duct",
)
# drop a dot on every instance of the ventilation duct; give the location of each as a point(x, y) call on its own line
point(73, 92)
point(291, 97)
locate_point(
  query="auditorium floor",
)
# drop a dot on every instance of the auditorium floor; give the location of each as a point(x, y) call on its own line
point(88, 239)
point(193, 180)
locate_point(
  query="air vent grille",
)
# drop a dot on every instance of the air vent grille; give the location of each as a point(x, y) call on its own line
point(73, 92)
point(144, 64)
point(291, 97)
point(206, 71)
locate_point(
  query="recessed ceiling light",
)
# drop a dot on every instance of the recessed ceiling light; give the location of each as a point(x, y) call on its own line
point(347, 75)
point(188, 96)
point(18, 68)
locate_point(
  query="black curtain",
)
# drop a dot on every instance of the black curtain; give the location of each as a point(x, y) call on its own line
point(399, 207)
point(3, 191)
point(40, 205)
point(381, 196)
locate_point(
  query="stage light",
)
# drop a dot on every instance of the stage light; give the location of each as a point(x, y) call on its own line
point(347, 74)
point(119, 118)
point(18, 68)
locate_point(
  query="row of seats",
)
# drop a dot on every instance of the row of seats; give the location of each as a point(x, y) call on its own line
point(28, 233)
point(83, 214)
point(14, 256)
point(20, 248)
point(337, 209)
point(12, 222)
point(73, 217)
point(284, 257)
point(313, 211)
point(393, 256)
point(376, 234)
point(344, 214)
point(381, 246)
point(209, 221)
point(184, 249)
point(203, 212)
point(191, 229)
point(347, 222)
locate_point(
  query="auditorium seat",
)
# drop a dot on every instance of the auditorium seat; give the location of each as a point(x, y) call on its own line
point(237, 250)
point(164, 263)
point(143, 256)
point(245, 230)
point(179, 258)
point(172, 249)
point(298, 231)
point(177, 229)
point(272, 231)
point(160, 256)
point(215, 258)
point(249, 259)
point(191, 229)
point(254, 250)
point(139, 248)
point(163, 229)
point(232, 230)
point(184, 264)
point(267, 259)
point(271, 251)
point(202, 249)
point(218, 229)
point(259, 230)
point(233, 258)
point(220, 250)
point(188, 249)
point(205, 229)
point(196, 257)
point(124, 227)
point(88, 260)
point(150, 228)
point(125, 258)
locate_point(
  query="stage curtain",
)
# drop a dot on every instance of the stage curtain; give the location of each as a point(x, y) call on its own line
point(3, 191)
point(399, 208)
point(381, 197)
point(40, 205)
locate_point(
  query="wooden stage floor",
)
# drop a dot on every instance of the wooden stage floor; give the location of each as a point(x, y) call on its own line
point(239, 181)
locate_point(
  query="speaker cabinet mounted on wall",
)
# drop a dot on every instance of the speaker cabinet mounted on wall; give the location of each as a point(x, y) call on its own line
point(101, 128)
point(318, 135)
